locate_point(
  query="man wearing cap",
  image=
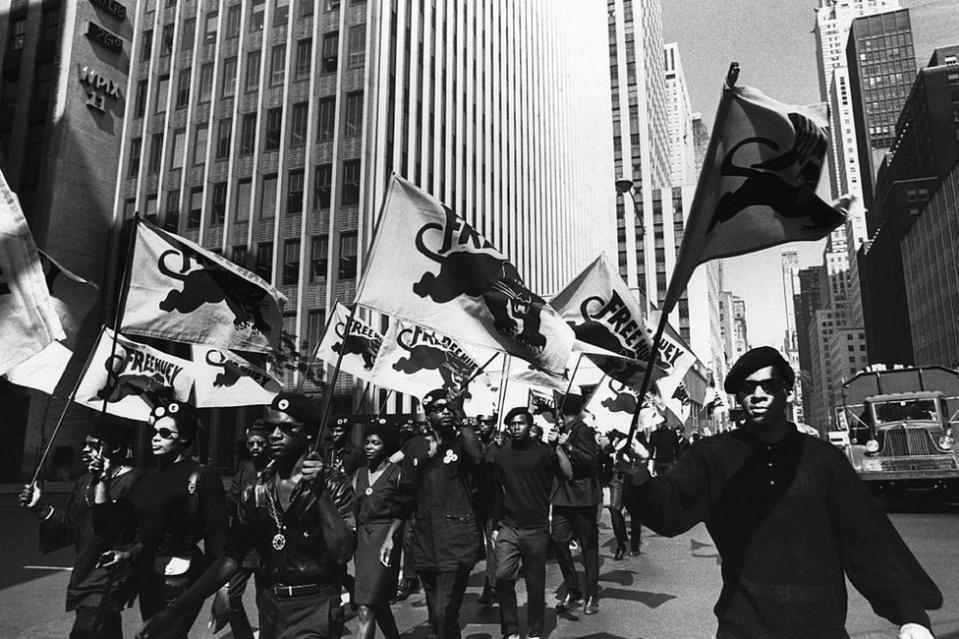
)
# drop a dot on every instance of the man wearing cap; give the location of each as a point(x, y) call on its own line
point(294, 518)
point(575, 505)
point(524, 471)
point(339, 453)
point(96, 596)
point(790, 518)
point(446, 538)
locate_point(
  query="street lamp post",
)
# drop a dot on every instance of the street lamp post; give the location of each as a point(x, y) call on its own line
point(636, 232)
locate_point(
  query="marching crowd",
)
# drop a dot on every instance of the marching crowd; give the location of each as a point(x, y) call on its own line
point(427, 500)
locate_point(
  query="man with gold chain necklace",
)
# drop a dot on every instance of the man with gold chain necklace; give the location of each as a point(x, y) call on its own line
point(296, 519)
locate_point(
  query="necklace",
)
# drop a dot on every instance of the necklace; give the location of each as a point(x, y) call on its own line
point(279, 540)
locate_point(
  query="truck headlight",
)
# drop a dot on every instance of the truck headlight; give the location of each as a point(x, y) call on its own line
point(872, 447)
point(946, 442)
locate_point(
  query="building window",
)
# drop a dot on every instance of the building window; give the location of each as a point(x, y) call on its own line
point(323, 186)
point(319, 251)
point(229, 77)
point(18, 34)
point(264, 261)
point(256, 15)
point(298, 124)
point(156, 152)
point(209, 33)
point(183, 89)
point(244, 189)
point(274, 122)
point(146, 45)
point(187, 37)
point(136, 144)
point(233, 14)
point(268, 196)
point(166, 41)
point(151, 210)
point(291, 261)
point(331, 45)
point(219, 203)
point(304, 54)
point(223, 138)
point(294, 198)
point(306, 8)
point(171, 220)
point(252, 71)
point(200, 143)
point(248, 133)
point(140, 103)
point(163, 89)
point(348, 245)
point(351, 182)
point(196, 207)
point(331, 5)
point(281, 11)
point(206, 82)
point(315, 323)
point(354, 114)
point(277, 65)
point(176, 149)
point(239, 255)
point(327, 118)
point(357, 51)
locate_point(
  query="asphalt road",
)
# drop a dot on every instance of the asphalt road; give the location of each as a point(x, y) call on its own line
point(665, 593)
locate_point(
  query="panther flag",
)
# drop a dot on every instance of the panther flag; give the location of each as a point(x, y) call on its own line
point(429, 266)
point(223, 378)
point(360, 348)
point(131, 378)
point(675, 357)
point(760, 185)
point(28, 318)
point(613, 405)
point(182, 292)
point(602, 311)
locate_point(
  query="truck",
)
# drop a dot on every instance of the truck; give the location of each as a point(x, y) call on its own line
point(899, 433)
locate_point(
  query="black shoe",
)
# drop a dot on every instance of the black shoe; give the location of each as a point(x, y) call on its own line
point(634, 552)
point(592, 606)
point(620, 553)
point(572, 599)
point(487, 597)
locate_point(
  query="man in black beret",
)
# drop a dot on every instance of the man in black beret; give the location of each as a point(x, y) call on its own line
point(95, 596)
point(295, 516)
point(575, 506)
point(790, 518)
point(339, 453)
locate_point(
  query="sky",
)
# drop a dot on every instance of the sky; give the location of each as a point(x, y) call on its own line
point(773, 43)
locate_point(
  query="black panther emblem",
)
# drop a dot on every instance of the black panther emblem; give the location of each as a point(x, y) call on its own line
point(120, 386)
point(598, 334)
point(211, 284)
point(624, 402)
point(426, 357)
point(764, 185)
point(231, 372)
point(357, 345)
point(515, 309)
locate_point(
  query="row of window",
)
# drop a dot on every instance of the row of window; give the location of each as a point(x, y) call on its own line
point(326, 108)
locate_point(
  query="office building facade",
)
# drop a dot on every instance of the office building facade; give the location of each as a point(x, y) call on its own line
point(682, 150)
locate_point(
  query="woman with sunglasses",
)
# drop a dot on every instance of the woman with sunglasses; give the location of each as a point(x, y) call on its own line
point(175, 504)
point(382, 503)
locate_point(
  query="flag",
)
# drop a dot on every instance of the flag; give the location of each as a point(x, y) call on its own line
point(613, 404)
point(132, 378)
point(223, 378)
point(430, 267)
point(675, 357)
point(602, 311)
point(182, 292)
point(759, 184)
point(678, 403)
point(540, 402)
point(362, 345)
point(43, 370)
point(28, 318)
point(415, 360)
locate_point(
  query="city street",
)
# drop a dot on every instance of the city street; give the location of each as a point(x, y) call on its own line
point(666, 593)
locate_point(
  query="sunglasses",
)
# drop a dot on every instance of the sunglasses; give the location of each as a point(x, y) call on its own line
point(287, 428)
point(769, 386)
point(438, 407)
point(166, 433)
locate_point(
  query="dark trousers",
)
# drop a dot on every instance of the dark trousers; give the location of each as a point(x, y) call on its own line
point(239, 622)
point(528, 546)
point(635, 535)
point(444, 596)
point(579, 522)
point(315, 616)
point(85, 625)
point(157, 592)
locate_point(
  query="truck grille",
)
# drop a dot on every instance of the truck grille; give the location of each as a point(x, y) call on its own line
point(901, 441)
point(924, 462)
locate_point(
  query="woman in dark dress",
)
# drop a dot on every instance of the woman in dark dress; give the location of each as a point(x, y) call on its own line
point(381, 507)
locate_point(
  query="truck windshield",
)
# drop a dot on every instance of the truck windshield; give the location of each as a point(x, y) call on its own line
point(894, 411)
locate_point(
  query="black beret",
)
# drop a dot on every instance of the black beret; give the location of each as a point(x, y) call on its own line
point(299, 407)
point(752, 361)
point(435, 395)
point(182, 413)
point(517, 411)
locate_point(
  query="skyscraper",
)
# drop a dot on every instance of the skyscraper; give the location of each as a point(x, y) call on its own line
point(270, 129)
point(682, 151)
point(700, 142)
point(806, 303)
point(789, 263)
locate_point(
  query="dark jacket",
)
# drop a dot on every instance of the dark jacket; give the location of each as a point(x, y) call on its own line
point(583, 452)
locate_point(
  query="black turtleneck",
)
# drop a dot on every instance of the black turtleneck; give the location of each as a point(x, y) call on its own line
point(525, 471)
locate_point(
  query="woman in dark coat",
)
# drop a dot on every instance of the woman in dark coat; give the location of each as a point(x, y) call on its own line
point(381, 507)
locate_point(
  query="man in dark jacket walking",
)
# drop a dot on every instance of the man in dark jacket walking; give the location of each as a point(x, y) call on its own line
point(575, 509)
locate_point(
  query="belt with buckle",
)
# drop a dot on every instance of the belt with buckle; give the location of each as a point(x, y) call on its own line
point(288, 592)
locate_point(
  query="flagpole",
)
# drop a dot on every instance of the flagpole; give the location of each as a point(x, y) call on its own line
point(328, 400)
point(504, 381)
point(479, 371)
point(56, 429)
point(569, 385)
point(389, 394)
point(647, 376)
